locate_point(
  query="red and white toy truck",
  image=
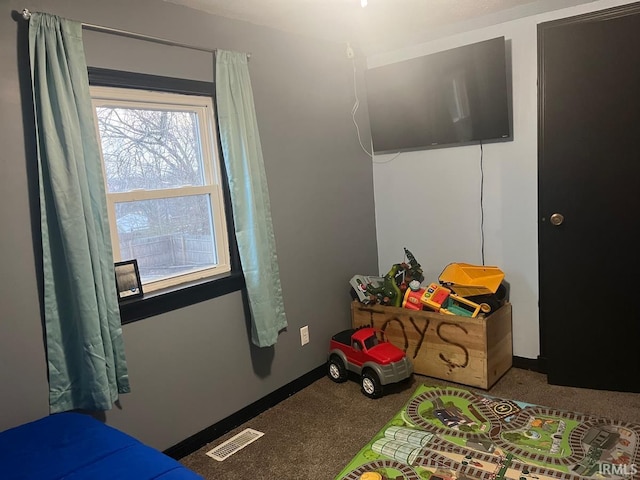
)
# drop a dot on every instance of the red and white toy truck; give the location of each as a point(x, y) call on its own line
point(363, 352)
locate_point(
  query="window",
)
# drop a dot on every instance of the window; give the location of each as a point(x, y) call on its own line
point(163, 184)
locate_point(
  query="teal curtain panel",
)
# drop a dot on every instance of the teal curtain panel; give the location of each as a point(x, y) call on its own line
point(85, 349)
point(249, 196)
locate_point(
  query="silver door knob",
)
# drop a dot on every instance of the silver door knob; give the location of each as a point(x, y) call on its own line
point(556, 219)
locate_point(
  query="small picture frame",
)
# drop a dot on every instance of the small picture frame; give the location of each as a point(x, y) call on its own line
point(128, 282)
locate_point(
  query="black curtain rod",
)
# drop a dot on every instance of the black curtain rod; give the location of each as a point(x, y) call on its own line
point(26, 14)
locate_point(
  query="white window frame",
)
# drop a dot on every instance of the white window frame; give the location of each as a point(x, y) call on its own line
point(203, 107)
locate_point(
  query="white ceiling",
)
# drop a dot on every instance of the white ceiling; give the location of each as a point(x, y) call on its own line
point(382, 25)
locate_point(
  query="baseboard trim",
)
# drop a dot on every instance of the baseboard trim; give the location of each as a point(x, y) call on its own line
point(209, 434)
point(534, 364)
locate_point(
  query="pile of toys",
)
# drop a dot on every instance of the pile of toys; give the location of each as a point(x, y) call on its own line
point(462, 289)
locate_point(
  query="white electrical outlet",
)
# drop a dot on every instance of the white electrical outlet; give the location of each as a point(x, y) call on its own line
point(304, 335)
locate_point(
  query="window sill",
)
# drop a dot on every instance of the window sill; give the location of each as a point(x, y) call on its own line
point(169, 299)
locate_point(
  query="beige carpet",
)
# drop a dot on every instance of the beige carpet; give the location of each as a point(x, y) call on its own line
point(315, 433)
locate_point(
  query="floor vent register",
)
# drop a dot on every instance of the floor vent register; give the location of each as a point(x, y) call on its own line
point(234, 444)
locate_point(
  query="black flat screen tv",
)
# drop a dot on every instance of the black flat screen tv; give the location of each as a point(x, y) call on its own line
point(453, 97)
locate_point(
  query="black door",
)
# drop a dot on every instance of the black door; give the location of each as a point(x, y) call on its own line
point(589, 199)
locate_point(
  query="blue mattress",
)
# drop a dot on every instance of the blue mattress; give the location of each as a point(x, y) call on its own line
point(74, 446)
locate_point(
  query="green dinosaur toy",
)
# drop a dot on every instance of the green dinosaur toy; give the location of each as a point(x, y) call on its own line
point(413, 271)
point(388, 293)
point(396, 280)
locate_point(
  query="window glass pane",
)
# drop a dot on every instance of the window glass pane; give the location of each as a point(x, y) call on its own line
point(149, 149)
point(168, 237)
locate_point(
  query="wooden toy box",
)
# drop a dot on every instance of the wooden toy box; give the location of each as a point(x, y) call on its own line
point(469, 351)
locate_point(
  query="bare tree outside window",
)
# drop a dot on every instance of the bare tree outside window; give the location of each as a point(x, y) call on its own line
point(162, 177)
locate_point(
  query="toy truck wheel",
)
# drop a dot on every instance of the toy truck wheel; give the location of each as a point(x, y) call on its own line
point(371, 385)
point(336, 370)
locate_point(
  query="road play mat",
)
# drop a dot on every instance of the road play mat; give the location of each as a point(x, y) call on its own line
point(454, 434)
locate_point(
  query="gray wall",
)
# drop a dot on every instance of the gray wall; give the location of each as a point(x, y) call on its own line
point(193, 367)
